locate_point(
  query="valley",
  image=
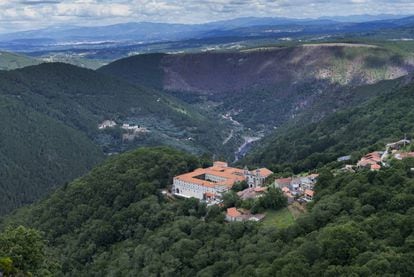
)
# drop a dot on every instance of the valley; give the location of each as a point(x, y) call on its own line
point(260, 90)
point(220, 104)
point(254, 146)
point(77, 100)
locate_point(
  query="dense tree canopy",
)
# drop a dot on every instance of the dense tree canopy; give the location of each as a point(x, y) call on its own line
point(365, 127)
point(115, 221)
point(50, 115)
point(23, 251)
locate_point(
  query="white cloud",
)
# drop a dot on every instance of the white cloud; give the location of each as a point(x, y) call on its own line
point(23, 14)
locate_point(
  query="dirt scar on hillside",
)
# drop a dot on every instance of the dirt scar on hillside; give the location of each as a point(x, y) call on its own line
point(340, 44)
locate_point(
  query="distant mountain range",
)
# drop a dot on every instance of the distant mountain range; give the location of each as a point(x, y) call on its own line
point(73, 37)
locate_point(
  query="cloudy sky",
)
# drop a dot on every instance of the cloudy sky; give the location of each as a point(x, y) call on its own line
point(31, 14)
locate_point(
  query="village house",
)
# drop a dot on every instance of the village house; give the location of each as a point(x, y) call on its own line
point(210, 183)
point(309, 194)
point(133, 131)
point(238, 215)
point(344, 158)
point(288, 195)
point(296, 188)
point(402, 156)
point(398, 145)
point(375, 167)
point(106, 124)
point(282, 182)
point(369, 160)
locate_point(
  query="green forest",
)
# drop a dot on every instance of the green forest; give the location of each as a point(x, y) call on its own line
point(50, 115)
point(116, 222)
point(70, 210)
point(300, 146)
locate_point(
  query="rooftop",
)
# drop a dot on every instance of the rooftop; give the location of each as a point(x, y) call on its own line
point(227, 175)
point(233, 212)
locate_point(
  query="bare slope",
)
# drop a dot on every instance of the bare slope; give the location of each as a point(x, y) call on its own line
point(233, 71)
point(264, 87)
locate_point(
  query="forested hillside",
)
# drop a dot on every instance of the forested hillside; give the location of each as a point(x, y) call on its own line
point(50, 116)
point(262, 88)
point(115, 221)
point(298, 147)
point(9, 61)
point(37, 154)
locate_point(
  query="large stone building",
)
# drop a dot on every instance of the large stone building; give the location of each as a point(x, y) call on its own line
point(256, 178)
point(209, 183)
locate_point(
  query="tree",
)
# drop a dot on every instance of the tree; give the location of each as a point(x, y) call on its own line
point(22, 250)
point(273, 199)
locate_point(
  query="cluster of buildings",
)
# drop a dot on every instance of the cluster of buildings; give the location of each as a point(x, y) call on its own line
point(298, 188)
point(374, 161)
point(131, 131)
point(395, 149)
point(208, 184)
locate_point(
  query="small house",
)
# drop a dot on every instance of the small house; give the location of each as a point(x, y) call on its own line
point(309, 194)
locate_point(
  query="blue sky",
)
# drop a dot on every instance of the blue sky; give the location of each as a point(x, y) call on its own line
point(31, 14)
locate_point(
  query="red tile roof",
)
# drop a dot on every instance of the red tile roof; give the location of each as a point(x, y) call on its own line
point(375, 167)
point(233, 212)
point(284, 181)
point(285, 189)
point(407, 155)
point(229, 175)
point(309, 192)
point(265, 172)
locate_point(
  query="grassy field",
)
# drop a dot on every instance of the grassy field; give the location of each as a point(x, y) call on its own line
point(281, 218)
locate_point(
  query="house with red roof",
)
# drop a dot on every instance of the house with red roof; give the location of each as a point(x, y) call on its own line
point(309, 194)
point(237, 215)
point(370, 159)
point(405, 155)
point(375, 167)
point(283, 182)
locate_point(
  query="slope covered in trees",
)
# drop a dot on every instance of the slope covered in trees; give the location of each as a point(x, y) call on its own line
point(115, 221)
point(9, 61)
point(306, 145)
point(265, 87)
point(50, 116)
point(38, 153)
